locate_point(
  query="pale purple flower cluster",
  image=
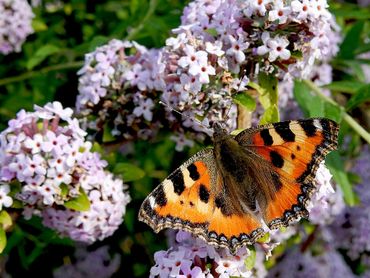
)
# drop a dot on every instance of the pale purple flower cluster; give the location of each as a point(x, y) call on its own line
point(294, 263)
point(326, 203)
point(118, 87)
point(98, 263)
point(46, 154)
point(41, 150)
point(351, 229)
point(15, 24)
point(107, 207)
point(192, 257)
point(219, 47)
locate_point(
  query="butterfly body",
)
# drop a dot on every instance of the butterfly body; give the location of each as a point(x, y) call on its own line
point(228, 193)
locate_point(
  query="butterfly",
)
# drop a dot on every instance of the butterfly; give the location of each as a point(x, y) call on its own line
point(226, 194)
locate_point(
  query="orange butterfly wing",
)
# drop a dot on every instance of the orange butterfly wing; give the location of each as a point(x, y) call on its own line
point(295, 149)
point(186, 200)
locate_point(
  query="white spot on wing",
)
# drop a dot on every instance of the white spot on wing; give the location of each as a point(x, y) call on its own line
point(188, 181)
point(317, 124)
point(169, 190)
point(151, 201)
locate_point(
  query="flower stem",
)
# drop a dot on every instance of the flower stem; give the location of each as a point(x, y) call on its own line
point(30, 74)
point(346, 117)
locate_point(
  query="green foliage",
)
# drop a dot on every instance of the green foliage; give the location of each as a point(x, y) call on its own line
point(80, 203)
point(245, 100)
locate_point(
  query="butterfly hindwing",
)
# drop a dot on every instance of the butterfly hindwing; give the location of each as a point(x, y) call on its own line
point(295, 150)
point(188, 200)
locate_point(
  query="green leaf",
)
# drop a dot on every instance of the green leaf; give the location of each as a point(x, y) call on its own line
point(245, 100)
point(314, 106)
point(344, 86)
point(2, 239)
point(41, 54)
point(97, 41)
point(362, 95)
point(250, 261)
point(5, 219)
point(128, 171)
point(336, 167)
point(80, 203)
point(268, 97)
point(38, 25)
point(271, 115)
point(107, 134)
point(352, 39)
point(333, 112)
point(268, 90)
point(212, 31)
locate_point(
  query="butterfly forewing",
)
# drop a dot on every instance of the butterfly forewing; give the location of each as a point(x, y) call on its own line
point(295, 149)
point(187, 200)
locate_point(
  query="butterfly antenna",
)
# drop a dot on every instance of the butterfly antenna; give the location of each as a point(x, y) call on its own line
point(184, 115)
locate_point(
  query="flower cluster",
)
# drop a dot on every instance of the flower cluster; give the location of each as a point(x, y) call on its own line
point(192, 257)
point(219, 48)
point(295, 263)
point(44, 155)
point(15, 24)
point(97, 263)
point(118, 86)
point(326, 203)
point(351, 228)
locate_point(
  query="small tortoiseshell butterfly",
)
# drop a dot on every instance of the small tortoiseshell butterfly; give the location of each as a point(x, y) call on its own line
point(222, 194)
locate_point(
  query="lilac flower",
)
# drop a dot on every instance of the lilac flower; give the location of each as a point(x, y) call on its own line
point(191, 256)
point(275, 47)
point(98, 263)
point(297, 264)
point(46, 152)
point(351, 228)
point(181, 142)
point(15, 24)
point(325, 203)
point(117, 89)
point(5, 200)
point(27, 149)
point(108, 205)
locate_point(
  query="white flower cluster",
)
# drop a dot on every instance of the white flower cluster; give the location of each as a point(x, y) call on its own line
point(15, 24)
point(45, 156)
point(117, 86)
point(194, 258)
point(326, 203)
point(220, 46)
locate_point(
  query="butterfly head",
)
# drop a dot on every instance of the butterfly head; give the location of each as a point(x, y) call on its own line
point(219, 132)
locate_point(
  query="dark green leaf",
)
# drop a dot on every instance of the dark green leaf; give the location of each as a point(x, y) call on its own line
point(80, 203)
point(128, 171)
point(336, 167)
point(351, 40)
point(344, 86)
point(245, 100)
point(362, 95)
point(333, 112)
point(311, 105)
point(41, 54)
